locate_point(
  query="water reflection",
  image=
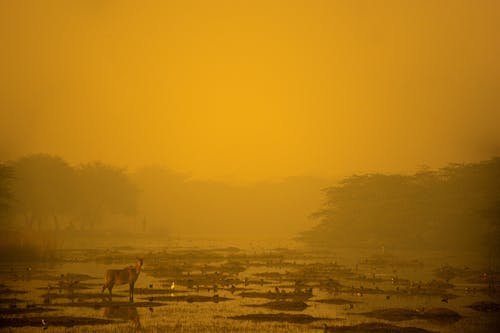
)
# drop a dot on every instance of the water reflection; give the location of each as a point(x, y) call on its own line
point(126, 312)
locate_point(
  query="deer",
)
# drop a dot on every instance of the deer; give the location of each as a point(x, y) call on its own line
point(122, 276)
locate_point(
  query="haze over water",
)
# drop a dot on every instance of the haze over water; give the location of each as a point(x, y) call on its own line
point(250, 166)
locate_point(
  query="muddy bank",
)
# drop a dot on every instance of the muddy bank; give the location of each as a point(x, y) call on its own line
point(19, 310)
point(151, 291)
point(274, 295)
point(283, 305)
point(485, 306)
point(98, 305)
point(80, 296)
point(437, 315)
point(336, 301)
point(189, 298)
point(374, 328)
point(64, 321)
point(279, 317)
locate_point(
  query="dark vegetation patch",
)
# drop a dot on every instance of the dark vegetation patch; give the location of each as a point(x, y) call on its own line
point(7, 291)
point(336, 301)
point(98, 305)
point(10, 300)
point(485, 306)
point(437, 315)
point(281, 295)
point(78, 277)
point(375, 328)
point(65, 321)
point(79, 296)
point(151, 291)
point(279, 317)
point(283, 305)
point(257, 294)
point(35, 309)
point(60, 288)
point(189, 298)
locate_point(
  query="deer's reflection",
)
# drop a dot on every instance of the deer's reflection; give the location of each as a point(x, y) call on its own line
point(125, 312)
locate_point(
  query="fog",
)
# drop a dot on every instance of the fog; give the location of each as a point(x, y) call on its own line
point(250, 92)
point(296, 145)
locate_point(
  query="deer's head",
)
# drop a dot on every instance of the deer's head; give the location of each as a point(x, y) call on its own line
point(139, 262)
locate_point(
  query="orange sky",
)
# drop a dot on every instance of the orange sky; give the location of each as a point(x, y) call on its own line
point(242, 91)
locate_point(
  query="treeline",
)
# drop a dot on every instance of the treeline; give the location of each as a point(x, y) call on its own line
point(43, 192)
point(456, 207)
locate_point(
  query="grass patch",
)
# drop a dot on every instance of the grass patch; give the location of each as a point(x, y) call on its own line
point(375, 328)
point(279, 317)
point(336, 301)
point(437, 315)
point(189, 298)
point(15, 311)
point(283, 305)
point(65, 321)
point(485, 306)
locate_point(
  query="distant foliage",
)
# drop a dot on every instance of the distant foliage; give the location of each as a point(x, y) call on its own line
point(6, 197)
point(454, 207)
point(51, 194)
point(104, 189)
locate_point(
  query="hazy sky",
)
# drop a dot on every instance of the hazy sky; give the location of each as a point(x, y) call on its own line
point(251, 90)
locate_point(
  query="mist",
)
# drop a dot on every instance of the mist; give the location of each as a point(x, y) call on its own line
point(306, 165)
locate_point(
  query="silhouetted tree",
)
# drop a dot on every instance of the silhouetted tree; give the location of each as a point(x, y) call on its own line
point(104, 189)
point(456, 206)
point(6, 196)
point(45, 186)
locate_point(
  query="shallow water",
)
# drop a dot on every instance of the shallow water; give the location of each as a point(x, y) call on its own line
point(36, 284)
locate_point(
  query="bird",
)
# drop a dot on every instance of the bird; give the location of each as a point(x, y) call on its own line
point(44, 324)
point(73, 284)
point(172, 286)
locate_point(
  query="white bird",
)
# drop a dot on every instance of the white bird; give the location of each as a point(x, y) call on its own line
point(172, 286)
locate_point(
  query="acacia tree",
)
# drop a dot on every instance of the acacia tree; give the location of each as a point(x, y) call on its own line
point(450, 207)
point(104, 189)
point(6, 196)
point(45, 187)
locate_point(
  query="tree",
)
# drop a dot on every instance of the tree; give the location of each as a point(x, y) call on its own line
point(456, 207)
point(104, 189)
point(6, 196)
point(44, 188)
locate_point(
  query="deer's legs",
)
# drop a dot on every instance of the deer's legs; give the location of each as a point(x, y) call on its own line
point(131, 292)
